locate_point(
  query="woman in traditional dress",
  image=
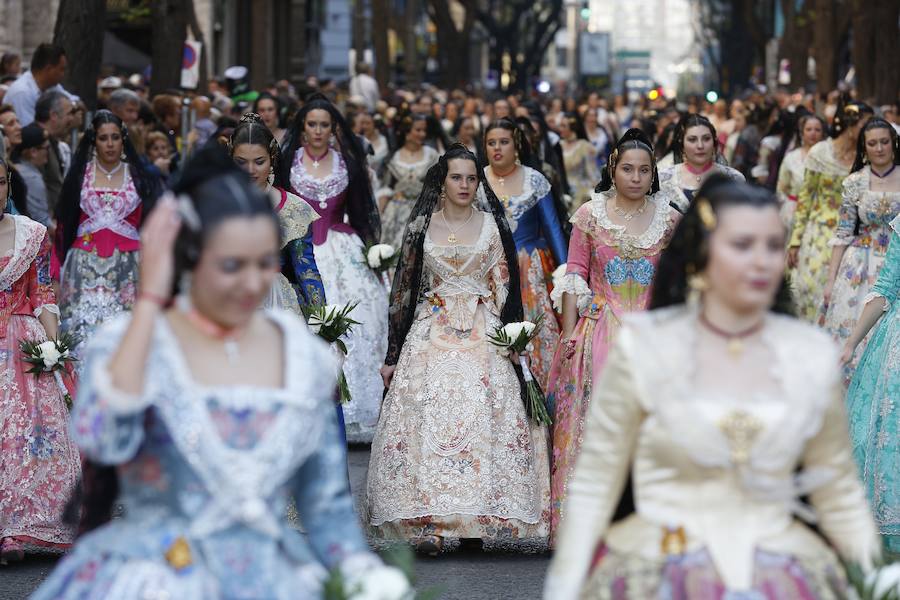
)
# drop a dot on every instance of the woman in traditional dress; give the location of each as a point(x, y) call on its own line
point(579, 157)
point(104, 198)
point(40, 464)
point(402, 177)
point(874, 391)
point(695, 150)
point(455, 455)
point(324, 164)
point(725, 411)
point(214, 413)
point(790, 175)
point(615, 245)
point(816, 216)
point(871, 201)
point(299, 284)
point(534, 220)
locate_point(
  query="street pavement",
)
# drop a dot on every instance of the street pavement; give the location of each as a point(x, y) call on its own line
point(463, 574)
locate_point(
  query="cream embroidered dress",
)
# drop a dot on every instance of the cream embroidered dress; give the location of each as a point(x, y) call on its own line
point(454, 453)
point(865, 230)
point(403, 183)
point(790, 181)
point(815, 221)
point(719, 455)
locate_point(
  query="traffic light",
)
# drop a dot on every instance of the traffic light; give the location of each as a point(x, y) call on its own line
point(585, 10)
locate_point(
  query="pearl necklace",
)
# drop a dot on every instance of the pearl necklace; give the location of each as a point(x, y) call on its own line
point(111, 173)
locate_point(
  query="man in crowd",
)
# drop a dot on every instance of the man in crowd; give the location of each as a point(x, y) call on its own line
point(126, 105)
point(364, 85)
point(48, 67)
point(53, 113)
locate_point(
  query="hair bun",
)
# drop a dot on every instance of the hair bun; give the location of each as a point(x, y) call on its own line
point(251, 117)
point(635, 134)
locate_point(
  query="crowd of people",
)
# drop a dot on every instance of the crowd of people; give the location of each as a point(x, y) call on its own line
point(711, 287)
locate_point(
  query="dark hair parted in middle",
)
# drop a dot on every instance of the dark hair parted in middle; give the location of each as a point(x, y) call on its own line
point(688, 251)
point(875, 123)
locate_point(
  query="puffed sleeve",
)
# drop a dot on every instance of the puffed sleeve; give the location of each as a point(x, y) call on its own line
point(309, 287)
point(841, 506)
point(106, 423)
point(610, 434)
point(575, 281)
point(848, 216)
point(40, 290)
point(324, 501)
point(552, 230)
point(804, 205)
point(888, 282)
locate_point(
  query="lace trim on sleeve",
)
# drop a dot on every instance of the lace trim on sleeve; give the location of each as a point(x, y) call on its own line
point(872, 295)
point(571, 283)
point(118, 402)
point(51, 308)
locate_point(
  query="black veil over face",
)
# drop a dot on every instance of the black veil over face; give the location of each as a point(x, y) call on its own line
point(362, 211)
point(407, 290)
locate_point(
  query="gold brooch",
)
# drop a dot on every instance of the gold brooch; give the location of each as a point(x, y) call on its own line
point(674, 541)
point(179, 554)
point(741, 429)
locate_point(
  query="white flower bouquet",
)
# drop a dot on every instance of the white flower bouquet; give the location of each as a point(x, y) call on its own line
point(392, 580)
point(332, 322)
point(516, 338)
point(381, 257)
point(881, 583)
point(50, 356)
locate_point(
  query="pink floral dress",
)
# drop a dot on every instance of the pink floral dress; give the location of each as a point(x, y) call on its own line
point(40, 465)
point(610, 272)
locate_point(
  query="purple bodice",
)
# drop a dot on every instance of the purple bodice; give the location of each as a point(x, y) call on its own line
point(326, 196)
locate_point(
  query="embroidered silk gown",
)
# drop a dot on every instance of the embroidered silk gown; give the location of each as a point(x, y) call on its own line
point(540, 246)
point(297, 255)
point(39, 464)
point(402, 184)
point(864, 229)
point(205, 473)
point(610, 272)
point(340, 256)
point(815, 221)
point(719, 456)
point(872, 404)
point(100, 271)
point(455, 455)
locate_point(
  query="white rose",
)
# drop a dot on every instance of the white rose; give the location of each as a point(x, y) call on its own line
point(885, 579)
point(373, 257)
point(49, 353)
point(512, 330)
point(381, 583)
point(528, 327)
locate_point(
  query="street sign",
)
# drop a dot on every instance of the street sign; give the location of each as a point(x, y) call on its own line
point(593, 53)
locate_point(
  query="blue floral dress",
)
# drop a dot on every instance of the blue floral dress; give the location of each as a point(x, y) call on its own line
point(872, 404)
point(205, 474)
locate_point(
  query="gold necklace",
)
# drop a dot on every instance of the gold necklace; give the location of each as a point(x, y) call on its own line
point(452, 237)
point(629, 215)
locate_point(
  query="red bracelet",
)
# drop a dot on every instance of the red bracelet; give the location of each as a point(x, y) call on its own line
point(158, 300)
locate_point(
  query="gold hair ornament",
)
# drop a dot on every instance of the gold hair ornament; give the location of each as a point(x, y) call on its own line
point(707, 216)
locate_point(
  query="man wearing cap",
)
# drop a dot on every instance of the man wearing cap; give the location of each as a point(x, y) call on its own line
point(30, 157)
point(107, 86)
point(48, 67)
point(53, 113)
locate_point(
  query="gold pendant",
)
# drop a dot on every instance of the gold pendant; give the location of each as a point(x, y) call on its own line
point(735, 347)
point(674, 541)
point(451, 238)
point(179, 554)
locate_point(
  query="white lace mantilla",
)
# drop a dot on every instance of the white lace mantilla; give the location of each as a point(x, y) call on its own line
point(655, 231)
point(319, 190)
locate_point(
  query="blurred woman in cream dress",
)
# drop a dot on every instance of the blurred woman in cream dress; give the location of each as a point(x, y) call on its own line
point(726, 411)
